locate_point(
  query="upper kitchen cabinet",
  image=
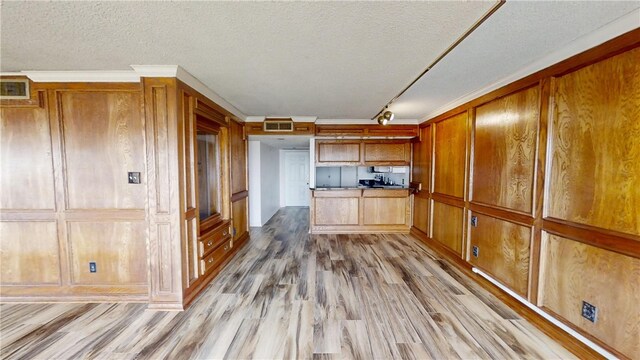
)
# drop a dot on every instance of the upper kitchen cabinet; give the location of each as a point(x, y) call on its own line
point(338, 153)
point(387, 153)
point(359, 152)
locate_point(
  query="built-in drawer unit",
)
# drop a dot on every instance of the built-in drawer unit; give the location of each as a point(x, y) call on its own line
point(214, 259)
point(213, 239)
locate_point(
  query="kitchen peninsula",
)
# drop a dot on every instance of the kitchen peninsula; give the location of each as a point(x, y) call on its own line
point(367, 193)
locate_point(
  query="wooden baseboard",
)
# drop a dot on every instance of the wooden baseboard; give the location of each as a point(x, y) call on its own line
point(572, 344)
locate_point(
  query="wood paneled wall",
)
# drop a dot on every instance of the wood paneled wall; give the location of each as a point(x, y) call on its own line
point(66, 200)
point(543, 178)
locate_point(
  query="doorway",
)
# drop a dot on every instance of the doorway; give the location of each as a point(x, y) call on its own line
point(295, 180)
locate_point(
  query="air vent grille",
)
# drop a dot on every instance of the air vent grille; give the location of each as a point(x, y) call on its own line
point(278, 126)
point(14, 89)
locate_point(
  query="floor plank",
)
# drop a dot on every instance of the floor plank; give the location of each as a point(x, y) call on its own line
point(292, 295)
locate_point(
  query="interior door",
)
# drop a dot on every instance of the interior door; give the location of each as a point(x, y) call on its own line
point(296, 178)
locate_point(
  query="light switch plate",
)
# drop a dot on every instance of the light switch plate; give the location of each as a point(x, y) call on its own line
point(134, 177)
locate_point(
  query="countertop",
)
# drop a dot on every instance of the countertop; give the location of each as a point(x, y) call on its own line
point(377, 187)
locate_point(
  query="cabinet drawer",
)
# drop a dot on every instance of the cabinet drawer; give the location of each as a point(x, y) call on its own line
point(213, 239)
point(215, 258)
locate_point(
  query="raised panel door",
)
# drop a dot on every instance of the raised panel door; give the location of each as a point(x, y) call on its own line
point(450, 152)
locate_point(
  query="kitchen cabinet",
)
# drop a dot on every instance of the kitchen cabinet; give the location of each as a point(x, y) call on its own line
point(363, 152)
point(387, 153)
point(360, 211)
point(337, 153)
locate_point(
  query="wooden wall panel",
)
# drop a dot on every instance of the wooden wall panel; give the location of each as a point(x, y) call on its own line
point(103, 136)
point(421, 170)
point(450, 155)
point(240, 218)
point(447, 226)
point(503, 251)
point(118, 248)
point(421, 214)
point(336, 211)
point(595, 145)
point(384, 211)
point(505, 151)
point(29, 253)
point(574, 272)
point(26, 164)
point(238, 144)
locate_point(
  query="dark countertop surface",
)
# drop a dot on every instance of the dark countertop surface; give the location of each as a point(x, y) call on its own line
point(377, 187)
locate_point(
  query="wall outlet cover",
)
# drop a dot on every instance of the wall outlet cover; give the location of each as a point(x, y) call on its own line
point(475, 251)
point(589, 312)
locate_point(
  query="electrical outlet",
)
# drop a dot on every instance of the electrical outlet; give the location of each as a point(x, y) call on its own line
point(92, 267)
point(589, 312)
point(134, 177)
point(475, 251)
point(474, 221)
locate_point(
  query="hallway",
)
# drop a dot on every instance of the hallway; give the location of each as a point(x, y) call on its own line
point(289, 294)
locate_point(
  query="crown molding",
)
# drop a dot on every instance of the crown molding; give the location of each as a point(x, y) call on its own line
point(82, 76)
point(156, 70)
point(197, 85)
point(609, 31)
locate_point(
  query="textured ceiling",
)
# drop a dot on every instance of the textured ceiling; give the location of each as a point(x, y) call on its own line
point(340, 60)
point(518, 34)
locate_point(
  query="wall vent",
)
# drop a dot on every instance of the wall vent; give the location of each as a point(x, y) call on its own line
point(14, 89)
point(278, 125)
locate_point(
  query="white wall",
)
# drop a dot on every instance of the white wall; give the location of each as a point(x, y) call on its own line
point(269, 182)
point(254, 184)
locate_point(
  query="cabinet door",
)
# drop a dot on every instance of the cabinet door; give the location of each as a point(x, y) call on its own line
point(331, 153)
point(395, 153)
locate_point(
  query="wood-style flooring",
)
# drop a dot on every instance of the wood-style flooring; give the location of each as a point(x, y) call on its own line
point(289, 294)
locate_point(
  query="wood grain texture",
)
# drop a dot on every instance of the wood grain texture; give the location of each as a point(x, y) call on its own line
point(447, 226)
point(422, 154)
point(26, 160)
point(103, 139)
point(367, 130)
point(294, 295)
point(238, 143)
point(503, 251)
point(29, 253)
point(118, 248)
point(576, 272)
point(385, 210)
point(165, 260)
point(505, 151)
point(336, 153)
point(449, 156)
point(395, 153)
point(336, 211)
point(595, 145)
point(239, 210)
point(421, 214)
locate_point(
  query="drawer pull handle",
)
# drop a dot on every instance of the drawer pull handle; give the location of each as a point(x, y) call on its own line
point(224, 233)
point(210, 260)
point(226, 247)
point(210, 243)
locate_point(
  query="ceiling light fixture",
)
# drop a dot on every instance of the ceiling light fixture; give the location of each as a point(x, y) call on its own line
point(384, 119)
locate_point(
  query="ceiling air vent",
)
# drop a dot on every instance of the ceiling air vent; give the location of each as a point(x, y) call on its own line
point(278, 125)
point(14, 89)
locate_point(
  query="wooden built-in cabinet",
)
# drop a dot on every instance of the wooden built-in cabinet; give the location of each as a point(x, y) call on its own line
point(68, 160)
point(404, 131)
point(537, 185)
point(360, 211)
point(363, 152)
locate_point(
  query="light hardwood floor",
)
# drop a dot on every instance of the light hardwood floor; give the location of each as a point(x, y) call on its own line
point(292, 295)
